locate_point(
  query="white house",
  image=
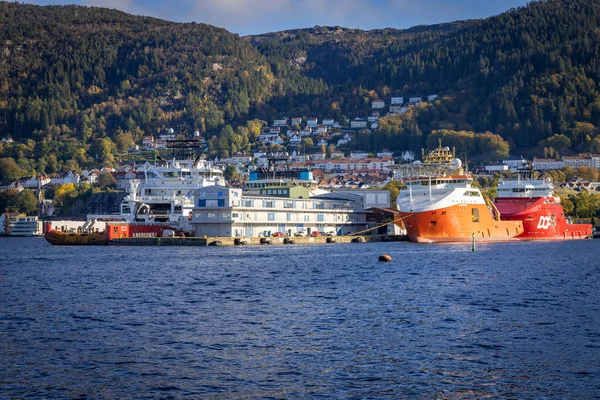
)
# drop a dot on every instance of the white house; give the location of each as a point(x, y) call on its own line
point(432, 97)
point(385, 153)
point(33, 182)
point(496, 167)
point(359, 155)
point(595, 160)
point(578, 161)
point(414, 100)
point(377, 104)
point(408, 156)
point(312, 122)
point(306, 132)
point(542, 164)
point(66, 177)
point(328, 122)
point(397, 101)
point(515, 162)
point(358, 123)
point(345, 139)
point(281, 122)
point(295, 139)
point(321, 129)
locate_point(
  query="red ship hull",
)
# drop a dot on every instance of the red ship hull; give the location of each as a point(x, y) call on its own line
point(543, 218)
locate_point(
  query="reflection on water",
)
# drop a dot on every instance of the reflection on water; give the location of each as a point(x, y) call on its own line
point(516, 320)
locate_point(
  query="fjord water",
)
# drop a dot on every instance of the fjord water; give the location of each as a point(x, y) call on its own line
point(513, 320)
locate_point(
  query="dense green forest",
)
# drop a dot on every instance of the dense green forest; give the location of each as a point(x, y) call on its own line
point(78, 85)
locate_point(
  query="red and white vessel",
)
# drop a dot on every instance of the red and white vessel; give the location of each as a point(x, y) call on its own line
point(533, 202)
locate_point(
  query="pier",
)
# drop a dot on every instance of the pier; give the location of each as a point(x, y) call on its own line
point(255, 241)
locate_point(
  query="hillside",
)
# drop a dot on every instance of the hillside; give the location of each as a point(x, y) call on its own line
point(80, 84)
point(80, 74)
point(526, 74)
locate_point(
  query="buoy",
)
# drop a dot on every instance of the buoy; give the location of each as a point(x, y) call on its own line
point(385, 258)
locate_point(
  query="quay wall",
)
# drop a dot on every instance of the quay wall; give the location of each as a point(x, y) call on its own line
point(255, 241)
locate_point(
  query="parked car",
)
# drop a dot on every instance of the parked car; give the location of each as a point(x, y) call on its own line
point(316, 233)
point(278, 234)
point(330, 233)
point(301, 233)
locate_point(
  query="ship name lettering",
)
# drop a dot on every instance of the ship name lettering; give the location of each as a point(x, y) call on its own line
point(544, 222)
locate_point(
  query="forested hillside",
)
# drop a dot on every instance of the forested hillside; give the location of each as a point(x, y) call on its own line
point(72, 76)
point(527, 74)
point(78, 85)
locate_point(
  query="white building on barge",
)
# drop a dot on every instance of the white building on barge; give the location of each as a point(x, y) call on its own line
point(228, 212)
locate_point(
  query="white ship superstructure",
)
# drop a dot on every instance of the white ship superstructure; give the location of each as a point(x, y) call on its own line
point(166, 192)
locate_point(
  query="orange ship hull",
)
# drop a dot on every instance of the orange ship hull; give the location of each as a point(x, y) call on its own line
point(459, 223)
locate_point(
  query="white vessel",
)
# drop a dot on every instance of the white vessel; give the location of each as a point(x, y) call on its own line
point(166, 191)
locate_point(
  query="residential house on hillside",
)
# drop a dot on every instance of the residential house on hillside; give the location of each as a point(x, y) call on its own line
point(65, 177)
point(397, 101)
point(578, 161)
point(295, 139)
point(595, 160)
point(281, 122)
point(542, 164)
point(414, 101)
point(328, 122)
point(321, 129)
point(358, 123)
point(496, 167)
point(32, 182)
point(305, 132)
point(345, 139)
point(90, 176)
point(148, 143)
point(515, 162)
point(359, 155)
point(398, 109)
point(378, 104)
point(297, 121)
point(432, 97)
point(312, 122)
point(124, 178)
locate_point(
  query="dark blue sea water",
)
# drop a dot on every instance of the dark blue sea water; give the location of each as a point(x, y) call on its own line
point(518, 320)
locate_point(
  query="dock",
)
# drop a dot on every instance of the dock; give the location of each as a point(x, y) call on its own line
point(255, 241)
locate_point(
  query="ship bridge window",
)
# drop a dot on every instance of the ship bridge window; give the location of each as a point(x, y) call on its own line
point(472, 194)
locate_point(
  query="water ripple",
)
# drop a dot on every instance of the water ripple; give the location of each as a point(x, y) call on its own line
point(507, 321)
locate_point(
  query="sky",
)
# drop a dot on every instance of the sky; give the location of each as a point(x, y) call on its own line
point(247, 17)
